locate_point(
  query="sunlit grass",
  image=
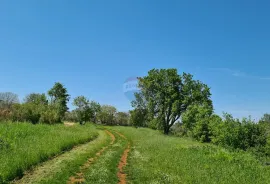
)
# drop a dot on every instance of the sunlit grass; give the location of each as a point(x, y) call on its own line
point(105, 169)
point(156, 158)
point(23, 145)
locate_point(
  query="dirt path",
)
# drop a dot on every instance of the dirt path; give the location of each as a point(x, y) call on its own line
point(51, 169)
point(123, 162)
point(58, 169)
point(69, 124)
point(79, 178)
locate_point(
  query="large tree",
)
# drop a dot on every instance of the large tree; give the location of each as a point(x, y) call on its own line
point(59, 98)
point(166, 95)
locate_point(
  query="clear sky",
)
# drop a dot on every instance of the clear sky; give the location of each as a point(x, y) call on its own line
point(93, 46)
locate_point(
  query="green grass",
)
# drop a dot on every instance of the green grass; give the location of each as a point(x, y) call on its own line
point(23, 145)
point(156, 158)
point(105, 169)
point(59, 169)
point(153, 159)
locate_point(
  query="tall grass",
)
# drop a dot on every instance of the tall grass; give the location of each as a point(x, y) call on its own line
point(23, 145)
point(105, 169)
point(156, 158)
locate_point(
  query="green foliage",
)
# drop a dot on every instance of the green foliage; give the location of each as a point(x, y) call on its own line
point(71, 116)
point(30, 145)
point(84, 112)
point(96, 108)
point(36, 98)
point(238, 134)
point(195, 121)
point(59, 98)
point(138, 117)
point(35, 110)
point(265, 118)
point(166, 95)
point(27, 112)
point(122, 118)
point(50, 115)
point(106, 115)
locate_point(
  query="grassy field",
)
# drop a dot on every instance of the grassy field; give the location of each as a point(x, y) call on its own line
point(156, 158)
point(153, 158)
point(23, 145)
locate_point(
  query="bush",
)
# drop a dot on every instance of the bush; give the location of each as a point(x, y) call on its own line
point(26, 112)
point(238, 134)
point(196, 122)
point(5, 114)
point(106, 115)
point(71, 116)
point(122, 118)
point(138, 117)
point(177, 129)
point(50, 115)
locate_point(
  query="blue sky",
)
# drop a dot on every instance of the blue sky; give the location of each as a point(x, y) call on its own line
point(94, 46)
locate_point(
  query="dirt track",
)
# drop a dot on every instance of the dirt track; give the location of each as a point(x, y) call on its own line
point(79, 178)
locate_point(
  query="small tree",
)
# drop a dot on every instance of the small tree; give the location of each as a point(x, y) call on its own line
point(7, 99)
point(59, 98)
point(96, 108)
point(107, 114)
point(83, 111)
point(122, 118)
point(138, 117)
point(266, 118)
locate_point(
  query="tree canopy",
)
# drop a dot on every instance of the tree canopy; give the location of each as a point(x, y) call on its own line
point(59, 97)
point(166, 95)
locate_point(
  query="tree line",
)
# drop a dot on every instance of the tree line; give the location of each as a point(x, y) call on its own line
point(179, 104)
point(51, 108)
point(167, 101)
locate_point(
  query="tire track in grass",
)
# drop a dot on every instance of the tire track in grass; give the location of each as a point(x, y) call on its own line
point(50, 170)
point(123, 162)
point(79, 178)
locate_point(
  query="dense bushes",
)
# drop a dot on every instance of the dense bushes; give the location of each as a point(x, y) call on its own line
point(199, 122)
point(138, 117)
point(36, 108)
point(238, 134)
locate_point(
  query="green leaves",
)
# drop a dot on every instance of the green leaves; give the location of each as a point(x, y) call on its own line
point(59, 98)
point(86, 110)
point(165, 95)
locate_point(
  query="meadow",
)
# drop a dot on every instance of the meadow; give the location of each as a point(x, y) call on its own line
point(92, 153)
point(157, 158)
point(23, 145)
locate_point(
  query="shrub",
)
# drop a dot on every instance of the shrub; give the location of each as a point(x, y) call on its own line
point(238, 134)
point(107, 114)
point(122, 118)
point(138, 117)
point(50, 115)
point(177, 129)
point(196, 122)
point(71, 116)
point(26, 112)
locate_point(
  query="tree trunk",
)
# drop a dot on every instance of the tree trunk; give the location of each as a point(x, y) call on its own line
point(166, 129)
